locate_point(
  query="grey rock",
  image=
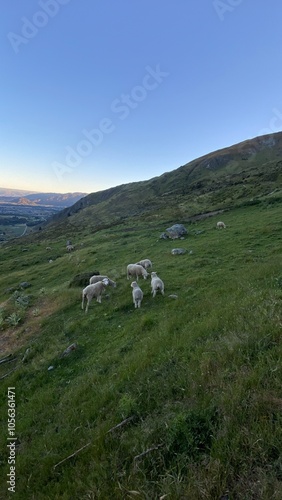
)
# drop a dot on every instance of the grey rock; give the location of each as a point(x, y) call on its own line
point(176, 231)
point(25, 284)
point(178, 251)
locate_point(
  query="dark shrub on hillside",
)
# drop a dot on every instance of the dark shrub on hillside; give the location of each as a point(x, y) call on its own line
point(83, 278)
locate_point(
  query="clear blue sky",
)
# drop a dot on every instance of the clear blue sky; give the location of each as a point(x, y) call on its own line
point(97, 93)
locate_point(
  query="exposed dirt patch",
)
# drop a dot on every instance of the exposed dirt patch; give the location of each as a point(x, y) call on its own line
point(205, 215)
point(15, 337)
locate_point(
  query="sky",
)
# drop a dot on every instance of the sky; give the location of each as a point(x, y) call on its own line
point(98, 93)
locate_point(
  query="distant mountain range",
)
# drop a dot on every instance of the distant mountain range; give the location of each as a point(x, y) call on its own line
point(21, 197)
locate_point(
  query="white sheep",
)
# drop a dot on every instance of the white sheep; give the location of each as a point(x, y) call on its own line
point(220, 225)
point(136, 270)
point(70, 248)
point(99, 277)
point(137, 294)
point(156, 284)
point(94, 290)
point(146, 263)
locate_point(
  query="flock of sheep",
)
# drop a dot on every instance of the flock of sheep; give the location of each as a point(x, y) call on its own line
point(97, 284)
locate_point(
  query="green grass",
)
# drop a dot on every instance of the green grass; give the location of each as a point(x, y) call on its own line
point(11, 231)
point(198, 377)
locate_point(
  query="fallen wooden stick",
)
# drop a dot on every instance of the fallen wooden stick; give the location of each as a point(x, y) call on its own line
point(72, 455)
point(125, 421)
point(7, 359)
point(8, 373)
point(148, 451)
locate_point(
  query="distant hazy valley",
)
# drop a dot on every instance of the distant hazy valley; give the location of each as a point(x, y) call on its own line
point(21, 210)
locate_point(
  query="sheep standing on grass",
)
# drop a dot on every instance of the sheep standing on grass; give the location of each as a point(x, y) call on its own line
point(137, 294)
point(136, 270)
point(99, 277)
point(220, 225)
point(91, 291)
point(70, 248)
point(146, 263)
point(156, 284)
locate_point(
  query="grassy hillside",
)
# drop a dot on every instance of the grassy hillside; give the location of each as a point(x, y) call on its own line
point(246, 173)
point(195, 381)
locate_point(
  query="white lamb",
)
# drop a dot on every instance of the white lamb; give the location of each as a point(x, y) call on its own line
point(156, 284)
point(70, 248)
point(220, 225)
point(137, 294)
point(136, 270)
point(99, 277)
point(146, 263)
point(95, 290)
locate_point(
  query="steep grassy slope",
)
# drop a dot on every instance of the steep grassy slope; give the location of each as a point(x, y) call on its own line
point(197, 377)
point(241, 174)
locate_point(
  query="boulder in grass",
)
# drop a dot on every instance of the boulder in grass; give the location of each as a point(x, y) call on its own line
point(176, 231)
point(25, 284)
point(178, 251)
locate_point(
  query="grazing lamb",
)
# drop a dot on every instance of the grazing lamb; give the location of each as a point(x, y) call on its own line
point(146, 263)
point(220, 225)
point(99, 277)
point(156, 284)
point(136, 270)
point(137, 294)
point(91, 291)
